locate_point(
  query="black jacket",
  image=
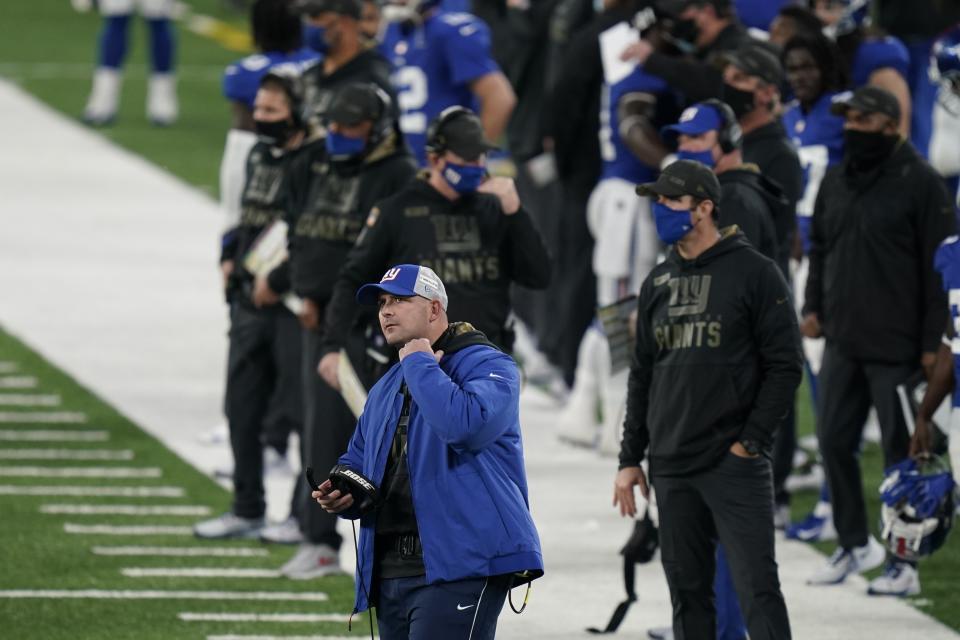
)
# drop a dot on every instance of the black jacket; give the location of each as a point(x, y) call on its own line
point(717, 359)
point(769, 148)
point(698, 77)
point(319, 87)
point(327, 205)
point(475, 249)
point(748, 200)
point(873, 236)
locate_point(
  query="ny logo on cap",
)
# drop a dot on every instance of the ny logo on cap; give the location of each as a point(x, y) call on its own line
point(391, 274)
point(688, 114)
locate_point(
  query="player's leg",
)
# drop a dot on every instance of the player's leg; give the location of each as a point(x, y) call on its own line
point(113, 43)
point(162, 105)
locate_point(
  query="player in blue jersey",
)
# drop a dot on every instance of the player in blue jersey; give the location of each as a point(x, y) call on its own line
point(276, 30)
point(162, 107)
point(946, 370)
point(442, 59)
point(878, 60)
point(815, 75)
point(945, 72)
point(626, 243)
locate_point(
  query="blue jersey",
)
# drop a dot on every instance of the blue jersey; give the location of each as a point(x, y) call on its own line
point(877, 54)
point(434, 65)
point(818, 137)
point(947, 262)
point(618, 160)
point(242, 78)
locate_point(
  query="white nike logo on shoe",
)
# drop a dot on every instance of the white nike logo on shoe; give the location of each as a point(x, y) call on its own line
point(494, 375)
point(460, 607)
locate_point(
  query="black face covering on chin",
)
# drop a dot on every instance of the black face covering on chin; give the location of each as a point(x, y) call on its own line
point(685, 31)
point(276, 132)
point(868, 149)
point(742, 102)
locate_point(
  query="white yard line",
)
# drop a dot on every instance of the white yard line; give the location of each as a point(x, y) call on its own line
point(66, 454)
point(29, 400)
point(18, 382)
point(45, 417)
point(182, 552)
point(198, 572)
point(124, 510)
point(8, 367)
point(47, 435)
point(126, 530)
point(262, 637)
point(130, 594)
point(66, 490)
point(263, 617)
point(81, 472)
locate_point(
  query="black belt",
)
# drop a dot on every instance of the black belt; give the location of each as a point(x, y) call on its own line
point(407, 544)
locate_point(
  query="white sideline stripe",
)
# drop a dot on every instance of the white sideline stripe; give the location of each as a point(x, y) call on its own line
point(29, 400)
point(66, 454)
point(7, 367)
point(114, 492)
point(240, 637)
point(198, 572)
point(81, 472)
point(183, 552)
point(126, 530)
point(51, 417)
point(126, 594)
point(53, 436)
point(17, 382)
point(124, 510)
point(264, 617)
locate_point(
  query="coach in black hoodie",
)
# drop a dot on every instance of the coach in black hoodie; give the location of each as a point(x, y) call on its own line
point(716, 367)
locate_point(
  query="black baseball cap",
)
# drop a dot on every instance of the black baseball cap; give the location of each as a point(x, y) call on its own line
point(758, 59)
point(350, 8)
point(354, 103)
point(868, 99)
point(684, 178)
point(676, 7)
point(462, 133)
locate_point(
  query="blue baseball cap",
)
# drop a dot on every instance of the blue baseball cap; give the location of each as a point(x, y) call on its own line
point(694, 120)
point(405, 280)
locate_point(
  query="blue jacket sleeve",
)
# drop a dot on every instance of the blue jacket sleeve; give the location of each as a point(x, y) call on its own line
point(467, 416)
point(353, 458)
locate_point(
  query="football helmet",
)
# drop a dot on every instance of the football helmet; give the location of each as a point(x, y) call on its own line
point(917, 506)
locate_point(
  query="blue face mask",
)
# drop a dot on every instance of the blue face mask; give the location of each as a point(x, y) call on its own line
point(341, 146)
point(464, 178)
point(672, 225)
point(313, 38)
point(706, 157)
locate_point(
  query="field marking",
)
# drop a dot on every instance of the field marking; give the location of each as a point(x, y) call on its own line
point(8, 367)
point(113, 492)
point(47, 417)
point(182, 552)
point(124, 510)
point(29, 400)
point(18, 382)
point(66, 454)
point(80, 472)
point(264, 617)
point(126, 530)
point(157, 594)
point(46, 435)
point(198, 572)
point(261, 637)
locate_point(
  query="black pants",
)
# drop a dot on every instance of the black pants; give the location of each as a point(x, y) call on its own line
point(732, 502)
point(784, 447)
point(263, 372)
point(847, 389)
point(328, 426)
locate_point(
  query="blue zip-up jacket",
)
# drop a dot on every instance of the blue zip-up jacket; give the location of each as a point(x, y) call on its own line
point(465, 460)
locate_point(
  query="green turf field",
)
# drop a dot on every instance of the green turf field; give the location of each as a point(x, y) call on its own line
point(36, 553)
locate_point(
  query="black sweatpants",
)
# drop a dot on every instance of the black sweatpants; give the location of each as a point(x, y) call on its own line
point(732, 503)
point(263, 376)
point(848, 387)
point(328, 426)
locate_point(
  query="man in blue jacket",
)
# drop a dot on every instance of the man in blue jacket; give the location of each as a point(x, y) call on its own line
point(440, 437)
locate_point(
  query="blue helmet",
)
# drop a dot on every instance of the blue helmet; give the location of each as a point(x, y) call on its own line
point(917, 507)
point(945, 68)
point(855, 15)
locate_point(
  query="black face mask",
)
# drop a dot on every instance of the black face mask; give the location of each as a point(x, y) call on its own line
point(685, 31)
point(275, 132)
point(742, 102)
point(868, 149)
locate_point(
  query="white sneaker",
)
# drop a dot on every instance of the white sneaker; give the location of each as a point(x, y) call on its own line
point(275, 464)
point(816, 527)
point(312, 561)
point(162, 106)
point(228, 525)
point(286, 532)
point(810, 480)
point(898, 579)
point(104, 97)
point(844, 563)
point(781, 517)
